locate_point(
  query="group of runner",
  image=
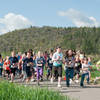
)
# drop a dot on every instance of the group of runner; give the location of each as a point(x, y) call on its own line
point(31, 66)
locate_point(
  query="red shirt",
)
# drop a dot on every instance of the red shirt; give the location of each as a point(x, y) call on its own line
point(7, 65)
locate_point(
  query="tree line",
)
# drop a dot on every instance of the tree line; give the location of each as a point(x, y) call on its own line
point(45, 38)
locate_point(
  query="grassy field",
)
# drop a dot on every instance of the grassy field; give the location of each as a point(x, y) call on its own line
point(10, 91)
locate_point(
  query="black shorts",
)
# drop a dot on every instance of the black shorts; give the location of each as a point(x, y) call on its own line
point(57, 70)
point(28, 72)
point(76, 71)
point(13, 71)
point(8, 72)
point(49, 71)
point(50, 68)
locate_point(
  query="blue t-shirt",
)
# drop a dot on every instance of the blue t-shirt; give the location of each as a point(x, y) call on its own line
point(40, 60)
point(58, 62)
point(49, 62)
point(19, 57)
point(26, 63)
point(1, 64)
point(13, 60)
point(34, 63)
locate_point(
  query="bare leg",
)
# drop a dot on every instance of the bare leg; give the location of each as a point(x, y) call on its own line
point(12, 77)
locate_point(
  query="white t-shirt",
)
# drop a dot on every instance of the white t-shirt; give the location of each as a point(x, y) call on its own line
point(85, 66)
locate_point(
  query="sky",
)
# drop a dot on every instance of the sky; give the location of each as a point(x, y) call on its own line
point(19, 14)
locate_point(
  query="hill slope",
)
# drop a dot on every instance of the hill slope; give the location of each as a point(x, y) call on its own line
point(86, 39)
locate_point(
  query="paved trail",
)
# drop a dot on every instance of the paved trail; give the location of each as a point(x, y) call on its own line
point(90, 92)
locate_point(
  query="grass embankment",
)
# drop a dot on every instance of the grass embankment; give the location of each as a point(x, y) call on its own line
point(10, 91)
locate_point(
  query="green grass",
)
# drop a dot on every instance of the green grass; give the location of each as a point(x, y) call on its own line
point(94, 72)
point(10, 91)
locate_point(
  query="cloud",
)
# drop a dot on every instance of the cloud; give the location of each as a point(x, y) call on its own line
point(13, 21)
point(79, 19)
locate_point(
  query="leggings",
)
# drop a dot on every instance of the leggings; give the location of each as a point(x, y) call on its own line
point(39, 72)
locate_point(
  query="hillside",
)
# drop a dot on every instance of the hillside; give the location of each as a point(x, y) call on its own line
point(44, 38)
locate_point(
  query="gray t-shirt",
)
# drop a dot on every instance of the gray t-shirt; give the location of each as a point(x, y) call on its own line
point(85, 66)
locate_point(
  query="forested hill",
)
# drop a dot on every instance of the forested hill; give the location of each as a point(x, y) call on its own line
point(44, 38)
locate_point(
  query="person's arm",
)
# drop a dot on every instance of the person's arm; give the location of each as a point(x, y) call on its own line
point(39, 64)
point(64, 61)
point(36, 62)
point(85, 69)
point(4, 66)
point(47, 63)
point(19, 64)
point(32, 63)
point(73, 63)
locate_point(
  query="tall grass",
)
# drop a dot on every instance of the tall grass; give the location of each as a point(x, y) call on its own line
point(10, 91)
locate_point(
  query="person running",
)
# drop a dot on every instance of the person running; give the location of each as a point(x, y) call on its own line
point(57, 65)
point(44, 63)
point(39, 65)
point(7, 66)
point(28, 64)
point(34, 69)
point(77, 68)
point(13, 65)
point(49, 66)
point(1, 65)
point(24, 76)
point(45, 55)
point(19, 69)
point(85, 72)
point(19, 56)
point(20, 66)
point(69, 63)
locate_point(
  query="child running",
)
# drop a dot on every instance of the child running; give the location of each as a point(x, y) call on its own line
point(49, 66)
point(39, 65)
point(77, 68)
point(85, 72)
point(7, 66)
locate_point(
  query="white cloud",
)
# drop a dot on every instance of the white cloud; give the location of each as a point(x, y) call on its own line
point(13, 21)
point(79, 19)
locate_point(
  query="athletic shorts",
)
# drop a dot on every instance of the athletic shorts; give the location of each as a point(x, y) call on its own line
point(13, 70)
point(28, 72)
point(57, 70)
point(76, 71)
point(8, 72)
